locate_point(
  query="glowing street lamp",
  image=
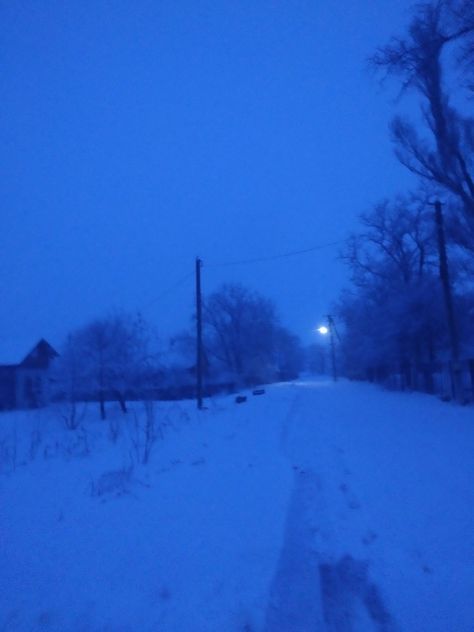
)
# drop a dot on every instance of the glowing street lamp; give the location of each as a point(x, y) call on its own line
point(323, 330)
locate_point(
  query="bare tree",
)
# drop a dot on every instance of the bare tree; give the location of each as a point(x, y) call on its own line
point(393, 317)
point(396, 242)
point(442, 154)
point(107, 358)
point(243, 336)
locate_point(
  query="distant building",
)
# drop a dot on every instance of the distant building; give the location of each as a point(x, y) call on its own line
point(27, 384)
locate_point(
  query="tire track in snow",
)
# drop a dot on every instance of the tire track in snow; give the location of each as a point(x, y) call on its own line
point(314, 590)
point(295, 594)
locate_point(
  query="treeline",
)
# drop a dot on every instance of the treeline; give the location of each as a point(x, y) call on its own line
point(394, 314)
point(120, 357)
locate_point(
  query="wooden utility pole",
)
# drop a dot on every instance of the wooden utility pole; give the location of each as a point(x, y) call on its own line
point(448, 300)
point(332, 331)
point(198, 334)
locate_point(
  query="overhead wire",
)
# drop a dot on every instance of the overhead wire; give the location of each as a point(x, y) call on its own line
point(284, 255)
point(169, 290)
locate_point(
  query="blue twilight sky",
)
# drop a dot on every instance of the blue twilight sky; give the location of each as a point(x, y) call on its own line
point(136, 134)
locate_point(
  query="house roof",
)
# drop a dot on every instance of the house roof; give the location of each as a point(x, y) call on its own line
point(11, 354)
point(40, 356)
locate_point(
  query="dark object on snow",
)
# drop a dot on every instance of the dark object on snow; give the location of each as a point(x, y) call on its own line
point(240, 399)
point(259, 391)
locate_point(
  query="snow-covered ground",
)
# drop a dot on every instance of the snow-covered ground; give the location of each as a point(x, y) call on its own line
point(316, 506)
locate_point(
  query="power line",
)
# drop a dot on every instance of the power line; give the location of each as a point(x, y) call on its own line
point(285, 255)
point(170, 289)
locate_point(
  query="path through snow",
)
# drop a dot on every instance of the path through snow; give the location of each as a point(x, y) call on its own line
point(380, 531)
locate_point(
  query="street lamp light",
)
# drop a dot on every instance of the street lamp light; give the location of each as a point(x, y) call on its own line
point(323, 330)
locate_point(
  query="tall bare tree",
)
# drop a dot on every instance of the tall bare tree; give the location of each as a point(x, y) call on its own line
point(393, 318)
point(442, 153)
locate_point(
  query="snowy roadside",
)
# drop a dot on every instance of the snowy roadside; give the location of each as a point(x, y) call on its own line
point(318, 506)
point(189, 542)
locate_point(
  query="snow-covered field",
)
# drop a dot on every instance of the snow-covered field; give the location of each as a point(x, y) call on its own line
point(316, 506)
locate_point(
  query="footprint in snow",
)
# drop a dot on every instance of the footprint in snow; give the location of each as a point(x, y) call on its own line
point(198, 462)
point(352, 501)
point(299, 469)
point(369, 538)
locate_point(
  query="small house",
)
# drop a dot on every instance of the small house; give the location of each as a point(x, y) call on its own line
point(27, 384)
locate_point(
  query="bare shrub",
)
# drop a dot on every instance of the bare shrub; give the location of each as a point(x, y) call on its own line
point(72, 413)
point(144, 432)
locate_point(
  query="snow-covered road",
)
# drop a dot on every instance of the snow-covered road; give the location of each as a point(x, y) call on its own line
point(316, 507)
point(381, 516)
